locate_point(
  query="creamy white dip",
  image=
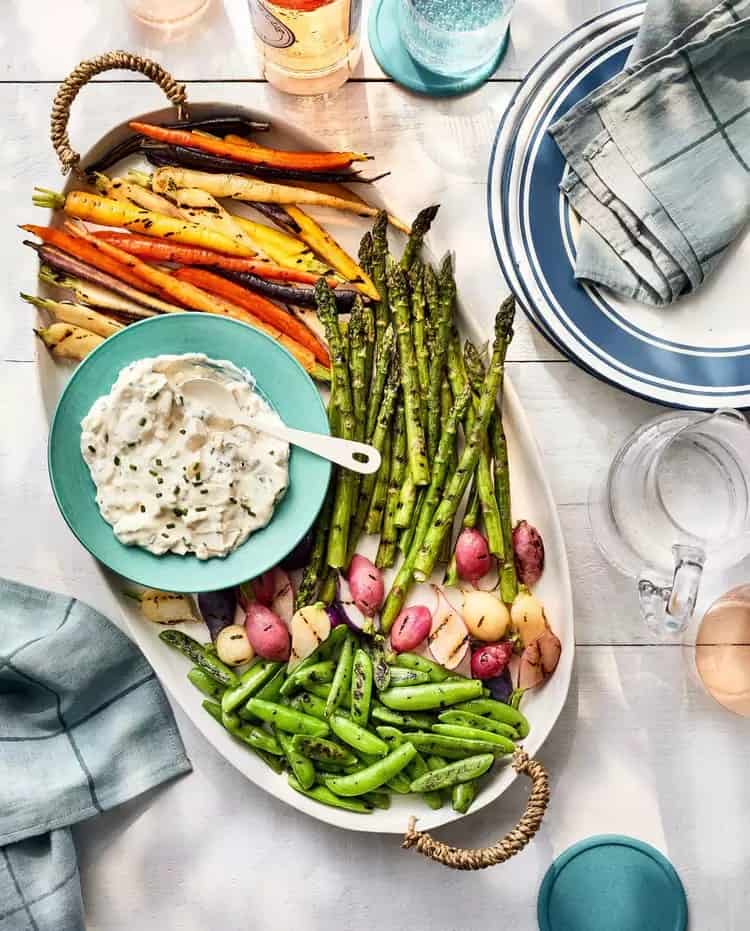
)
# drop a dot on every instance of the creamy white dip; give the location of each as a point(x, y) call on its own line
point(170, 476)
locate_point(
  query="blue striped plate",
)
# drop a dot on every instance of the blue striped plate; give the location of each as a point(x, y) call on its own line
point(693, 355)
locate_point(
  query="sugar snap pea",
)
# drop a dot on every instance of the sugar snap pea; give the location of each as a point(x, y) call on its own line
point(416, 769)
point(317, 672)
point(214, 709)
point(377, 798)
point(422, 664)
point(498, 711)
point(388, 732)
point(271, 760)
point(302, 768)
point(381, 671)
point(454, 748)
point(400, 784)
point(287, 719)
point(361, 693)
point(385, 715)
point(433, 695)
point(505, 744)
point(318, 748)
point(194, 651)
point(323, 690)
point(308, 703)
point(324, 795)
point(325, 766)
point(467, 719)
point(342, 677)
point(349, 732)
point(250, 681)
point(271, 691)
point(251, 735)
point(210, 687)
point(374, 776)
point(461, 771)
point(325, 651)
point(418, 766)
point(402, 676)
point(463, 795)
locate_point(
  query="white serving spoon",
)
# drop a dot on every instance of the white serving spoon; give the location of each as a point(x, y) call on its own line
point(358, 457)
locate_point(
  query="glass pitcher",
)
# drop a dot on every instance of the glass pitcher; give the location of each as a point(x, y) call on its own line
point(675, 499)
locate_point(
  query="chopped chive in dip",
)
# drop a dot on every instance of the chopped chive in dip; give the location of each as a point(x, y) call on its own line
point(116, 460)
point(142, 422)
point(92, 449)
point(143, 509)
point(200, 509)
point(133, 468)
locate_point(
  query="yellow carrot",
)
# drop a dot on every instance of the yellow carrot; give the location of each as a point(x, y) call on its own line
point(124, 190)
point(280, 247)
point(340, 190)
point(327, 247)
point(108, 212)
point(241, 187)
point(76, 314)
point(201, 208)
point(66, 341)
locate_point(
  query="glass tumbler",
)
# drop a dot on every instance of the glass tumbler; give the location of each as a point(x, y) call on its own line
point(167, 14)
point(455, 38)
point(675, 499)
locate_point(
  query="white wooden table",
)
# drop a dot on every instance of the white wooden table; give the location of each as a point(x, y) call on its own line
point(638, 749)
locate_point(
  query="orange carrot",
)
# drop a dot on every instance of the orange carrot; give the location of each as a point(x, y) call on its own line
point(252, 153)
point(195, 298)
point(259, 306)
point(89, 254)
point(167, 250)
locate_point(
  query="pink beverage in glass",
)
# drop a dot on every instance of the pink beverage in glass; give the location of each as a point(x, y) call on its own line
point(307, 46)
point(722, 650)
point(167, 14)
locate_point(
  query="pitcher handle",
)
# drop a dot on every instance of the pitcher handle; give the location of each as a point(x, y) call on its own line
point(669, 608)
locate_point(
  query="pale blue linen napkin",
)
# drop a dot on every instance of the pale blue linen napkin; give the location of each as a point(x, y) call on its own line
point(84, 726)
point(658, 158)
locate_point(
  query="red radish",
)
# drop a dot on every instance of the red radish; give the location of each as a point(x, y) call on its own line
point(473, 558)
point(528, 549)
point(267, 633)
point(410, 628)
point(539, 660)
point(491, 660)
point(262, 588)
point(366, 585)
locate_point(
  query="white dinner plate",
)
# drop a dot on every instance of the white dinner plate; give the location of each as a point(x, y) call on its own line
point(532, 499)
point(695, 354)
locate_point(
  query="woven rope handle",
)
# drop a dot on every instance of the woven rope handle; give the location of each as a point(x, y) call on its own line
point(480, 858)
point(83, 73)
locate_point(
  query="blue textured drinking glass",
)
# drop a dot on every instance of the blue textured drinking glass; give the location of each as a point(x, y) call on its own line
point(455, 38)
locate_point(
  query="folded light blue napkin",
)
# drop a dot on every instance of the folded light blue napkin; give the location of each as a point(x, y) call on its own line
point(658, 158)
point(84, 725)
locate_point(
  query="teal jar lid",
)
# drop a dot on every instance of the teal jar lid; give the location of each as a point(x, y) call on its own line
point(615, 883)
point(385, 41)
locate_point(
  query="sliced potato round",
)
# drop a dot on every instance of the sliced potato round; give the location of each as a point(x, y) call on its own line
point(167, 607)
point(310, 626)
point(448, 638)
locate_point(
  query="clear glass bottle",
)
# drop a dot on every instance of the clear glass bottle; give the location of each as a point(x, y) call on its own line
point(307, 46)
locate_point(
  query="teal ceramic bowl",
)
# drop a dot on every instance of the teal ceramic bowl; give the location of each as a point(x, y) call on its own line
point(281, 381)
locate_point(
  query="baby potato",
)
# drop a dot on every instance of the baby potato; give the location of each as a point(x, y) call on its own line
point(527, 616)
point(486, 616)
point(233, 646)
